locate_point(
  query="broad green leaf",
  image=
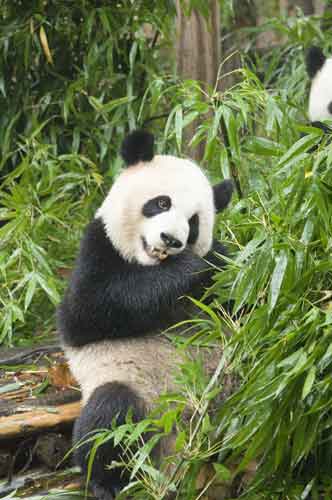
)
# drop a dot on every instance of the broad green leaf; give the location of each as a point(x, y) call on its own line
point(222, 472)
point(49, 288)
point(277, 279)
point(264, 147)
point(180, 441)
point(309, 382)
point(30, 291)
point(111, 105)
point(298, 148)
point(144, 453)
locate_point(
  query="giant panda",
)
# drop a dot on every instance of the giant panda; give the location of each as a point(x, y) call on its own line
point(149, 245)
point(319, 69)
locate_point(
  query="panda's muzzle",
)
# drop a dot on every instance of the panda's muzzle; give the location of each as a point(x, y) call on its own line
point(153, 252)
point(170, 241)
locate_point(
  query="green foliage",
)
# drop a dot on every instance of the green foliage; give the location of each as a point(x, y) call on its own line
point(45, 201)
point(72, 63)
point(72, 80)
point(282, 276)
point(60, 129)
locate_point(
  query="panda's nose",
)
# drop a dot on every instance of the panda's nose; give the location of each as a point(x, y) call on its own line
point(170, 241)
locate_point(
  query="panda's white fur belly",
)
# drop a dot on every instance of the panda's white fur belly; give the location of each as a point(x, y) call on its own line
point(147, 364)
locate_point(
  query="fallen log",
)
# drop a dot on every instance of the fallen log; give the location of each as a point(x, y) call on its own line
point(8, 407)
point(40, 481)
point(37, 420)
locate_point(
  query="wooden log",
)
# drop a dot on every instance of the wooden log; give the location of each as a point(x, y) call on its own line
point(37, 420)
point(55, 399)
point(39, 482)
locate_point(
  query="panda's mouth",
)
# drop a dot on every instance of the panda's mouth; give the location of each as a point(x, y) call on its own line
point(153, 252)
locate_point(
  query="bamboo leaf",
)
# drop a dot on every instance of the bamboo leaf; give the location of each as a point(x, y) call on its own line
point(298, 148)
point(222, 472)
point(30, 291)
point(277, 279)
point(44, 43)
point(309, 382)
point(179, 126)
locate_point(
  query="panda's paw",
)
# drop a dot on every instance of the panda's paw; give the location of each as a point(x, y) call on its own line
point(102, 493)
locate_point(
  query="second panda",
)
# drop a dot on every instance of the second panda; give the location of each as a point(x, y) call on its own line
point(150, 244)
point(319, 69)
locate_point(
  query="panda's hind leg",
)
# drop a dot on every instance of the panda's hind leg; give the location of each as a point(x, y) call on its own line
point(107, 403)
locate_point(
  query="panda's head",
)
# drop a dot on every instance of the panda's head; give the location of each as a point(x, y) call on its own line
point(319, 69)
point(160, 204)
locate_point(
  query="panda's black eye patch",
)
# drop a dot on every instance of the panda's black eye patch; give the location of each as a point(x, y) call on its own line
point(329, 107)
point(156, 206)
point(193, 229)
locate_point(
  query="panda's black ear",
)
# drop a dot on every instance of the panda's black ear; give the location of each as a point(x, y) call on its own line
point(222, 194)
point(314, 60)
point(137, 146)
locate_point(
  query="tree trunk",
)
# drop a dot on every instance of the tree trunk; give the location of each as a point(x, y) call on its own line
point(198, 56)
point(233, 41)
point(327, 21)
point(319, 6)
point(266, 10)
point(288, 7)
point(198, 44)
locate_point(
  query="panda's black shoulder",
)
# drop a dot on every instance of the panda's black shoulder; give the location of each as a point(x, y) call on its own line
point(315, 60)
point(97, 252)
point(97, 257)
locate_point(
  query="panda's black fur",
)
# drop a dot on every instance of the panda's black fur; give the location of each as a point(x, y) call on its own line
point(109, 400)
point(137, 146)
point(120, 305)
point(108, 297)
point(315, 60)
